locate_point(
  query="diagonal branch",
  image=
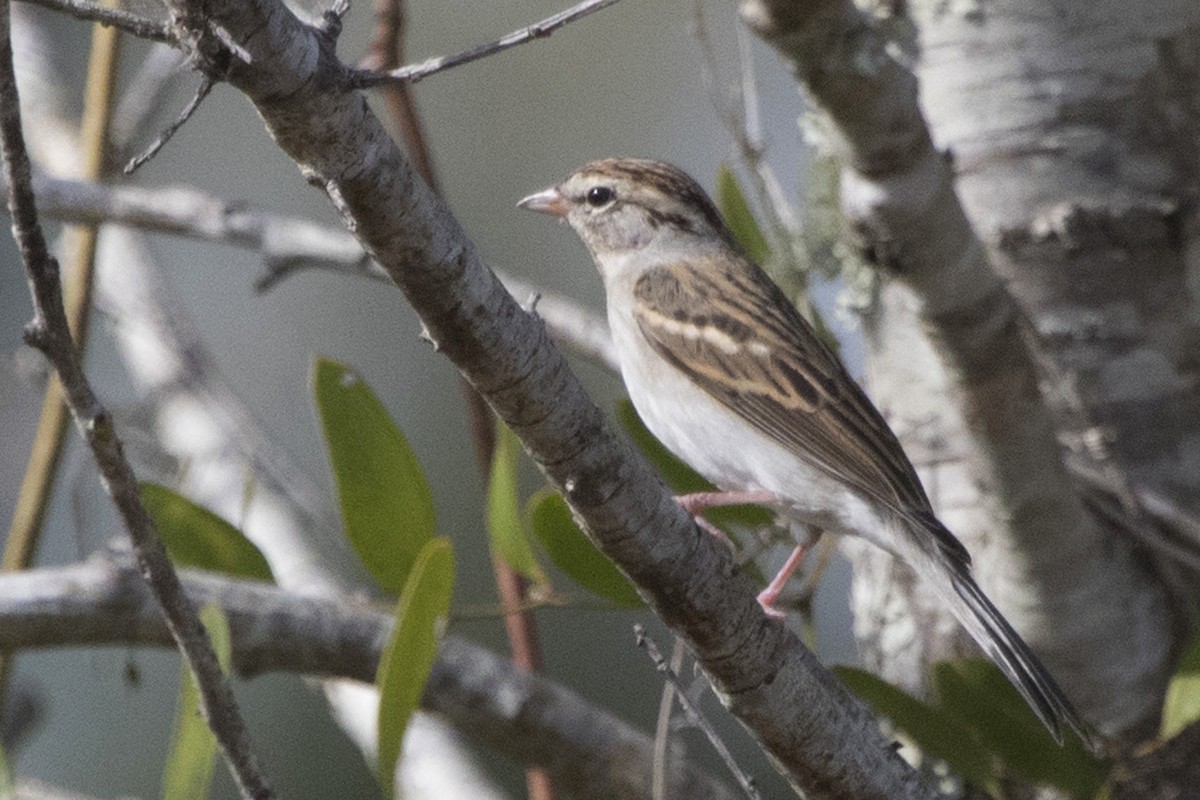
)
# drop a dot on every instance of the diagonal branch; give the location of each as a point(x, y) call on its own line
point(823, 738)
point(49, 333)
point(527, 717)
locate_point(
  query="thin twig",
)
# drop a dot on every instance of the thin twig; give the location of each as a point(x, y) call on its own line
point(741, 119)
point(48, 332)
point(145, 96)
point(206, 85)
point(366, 79)
point(693, 714)
point(113, 17)
point(386, 52)
point(662, 730)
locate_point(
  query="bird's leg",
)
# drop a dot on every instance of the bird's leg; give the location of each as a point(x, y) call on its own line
point(698, 501)
point(768, 596)
point(695, 503)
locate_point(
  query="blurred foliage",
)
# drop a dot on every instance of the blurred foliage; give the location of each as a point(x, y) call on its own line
point(982, 728)
point(574, 553)
point(504, 522)
point(739, 218)
point(196, 537)
point(387, 507)
point(189, 768)
point(408, 658)
point(1182, 704)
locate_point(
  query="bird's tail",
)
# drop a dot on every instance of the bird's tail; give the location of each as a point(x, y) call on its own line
point(945, 565)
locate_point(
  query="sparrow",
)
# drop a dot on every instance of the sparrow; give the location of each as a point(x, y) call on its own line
point(726, 372)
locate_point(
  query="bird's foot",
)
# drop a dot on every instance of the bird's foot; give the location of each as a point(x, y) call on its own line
point(768, 596)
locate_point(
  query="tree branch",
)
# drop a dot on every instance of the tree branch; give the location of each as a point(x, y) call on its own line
point(49, 333)
point(529, 718)
point(759, 668)
point(899, 192)
point(365, 79)
point(113, 17)
point(287, 244)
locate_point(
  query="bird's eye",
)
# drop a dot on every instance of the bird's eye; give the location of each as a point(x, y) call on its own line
point(599, 195)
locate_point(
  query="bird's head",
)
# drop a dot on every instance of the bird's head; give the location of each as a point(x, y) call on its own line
point(622, 205)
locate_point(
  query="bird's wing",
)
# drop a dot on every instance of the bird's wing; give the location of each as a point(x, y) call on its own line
point(723, 323)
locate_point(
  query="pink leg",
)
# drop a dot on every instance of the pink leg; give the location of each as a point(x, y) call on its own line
point(699, 501)
point(768, 596)
point(695, 503)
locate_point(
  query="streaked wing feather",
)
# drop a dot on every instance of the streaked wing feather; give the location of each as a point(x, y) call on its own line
point(763, 360)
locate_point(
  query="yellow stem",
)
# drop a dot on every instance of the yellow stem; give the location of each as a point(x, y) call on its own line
point(38, 484)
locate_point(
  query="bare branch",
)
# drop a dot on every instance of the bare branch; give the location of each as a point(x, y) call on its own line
point(506, 709)
point(287, 244)
point(114, 17)
point(206, 85)
point(146, 93)
point(49, 333)
point(365, 79)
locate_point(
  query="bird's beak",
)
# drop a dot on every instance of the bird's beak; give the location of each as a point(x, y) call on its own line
point(549, 201)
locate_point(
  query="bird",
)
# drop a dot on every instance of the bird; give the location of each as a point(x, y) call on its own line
point(733, 380)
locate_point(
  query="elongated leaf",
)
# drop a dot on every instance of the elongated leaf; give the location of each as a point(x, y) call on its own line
point(196, 537)
point(977, 693)
point(387, 508)
point(574, 554)
point(504, 523)
point(8, 789)
point(405, 664)
point(739, 217)
point(1182, 705)
point(937, 734)
point(679, 476)
point(189, 767)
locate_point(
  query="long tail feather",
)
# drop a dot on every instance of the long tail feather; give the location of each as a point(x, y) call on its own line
point(951, 577)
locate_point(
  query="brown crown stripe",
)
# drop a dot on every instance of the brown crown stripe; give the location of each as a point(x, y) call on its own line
point(667, 180)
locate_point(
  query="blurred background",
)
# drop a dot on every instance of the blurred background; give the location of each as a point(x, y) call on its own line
point(625, 81)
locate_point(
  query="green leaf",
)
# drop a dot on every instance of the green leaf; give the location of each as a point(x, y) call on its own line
point(679, 476)
point(387, 508)
point(574, 554)
point(405, 664)
point(976, 692)
point(196, 537)
point(739, 218)
point(8, 789)
point(1182, 705)
point(938, 734)
point(504, 523)
point(189, 767)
